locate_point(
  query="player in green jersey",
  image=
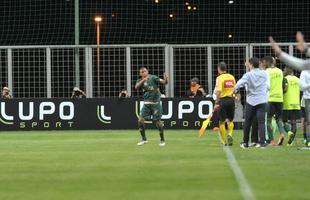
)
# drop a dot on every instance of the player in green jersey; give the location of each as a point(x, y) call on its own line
point(152, 108)
point(275, 100)
point(291, 104)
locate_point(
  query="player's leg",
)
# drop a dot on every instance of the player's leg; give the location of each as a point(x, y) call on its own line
point(145, 112)
point(278, 116)
point(249, 110)
point(287, 125)
point(293, 116)
point(222, 119)
point(157, 113)
point(261, 123)
point(303, 124)
point(270, 113)
point(307, 121)
point(230, 122)
point(254, 132)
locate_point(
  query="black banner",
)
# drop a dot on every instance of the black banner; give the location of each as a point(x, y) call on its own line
point(107, 113)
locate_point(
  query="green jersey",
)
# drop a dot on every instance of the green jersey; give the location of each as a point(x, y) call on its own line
point(151, 89)
point(291, 98)
point(276, 82)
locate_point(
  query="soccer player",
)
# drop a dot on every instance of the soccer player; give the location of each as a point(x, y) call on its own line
point(152, 108)
point(291, 104)
point(275, 101)
point(257, 83)
point(305, 87)
point(225, 84)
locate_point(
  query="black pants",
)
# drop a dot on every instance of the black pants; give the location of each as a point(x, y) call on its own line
point(254, 131)
point(258, 111)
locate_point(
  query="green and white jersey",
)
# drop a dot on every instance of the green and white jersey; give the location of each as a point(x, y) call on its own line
point(276, 82)
point(291, 98)
point(151, 89)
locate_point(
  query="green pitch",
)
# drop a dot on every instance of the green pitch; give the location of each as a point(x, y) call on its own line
point(109, 165)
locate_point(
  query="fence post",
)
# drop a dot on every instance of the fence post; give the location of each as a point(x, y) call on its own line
point(10, 70)
point(128, 70)
point(171, 71)
point(48, 73)
point(291, 50)
point(210, 81)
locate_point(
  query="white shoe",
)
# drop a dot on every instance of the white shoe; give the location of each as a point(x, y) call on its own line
point(162, 143)
point(142, 142)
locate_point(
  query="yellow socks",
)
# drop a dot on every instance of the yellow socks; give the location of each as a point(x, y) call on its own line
point(223, 132)
point(230, 126)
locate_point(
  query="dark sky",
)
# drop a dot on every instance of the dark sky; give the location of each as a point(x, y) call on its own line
point(34, 22)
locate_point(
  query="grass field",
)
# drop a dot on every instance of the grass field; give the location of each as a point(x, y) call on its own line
point(109, 165)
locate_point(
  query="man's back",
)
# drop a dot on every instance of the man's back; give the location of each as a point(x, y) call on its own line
point(276, 81)
point(291, 98)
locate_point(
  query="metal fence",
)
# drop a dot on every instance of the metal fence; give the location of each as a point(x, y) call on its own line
point(53, 71)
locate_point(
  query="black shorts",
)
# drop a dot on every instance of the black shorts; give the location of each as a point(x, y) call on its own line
point(291, 115)
point(275, 109)
point(303, 112)
point(227, 108)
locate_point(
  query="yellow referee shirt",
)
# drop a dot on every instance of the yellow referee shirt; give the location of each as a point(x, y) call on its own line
point(225, 83)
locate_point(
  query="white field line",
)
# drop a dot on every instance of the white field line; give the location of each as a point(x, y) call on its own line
point(244, 186)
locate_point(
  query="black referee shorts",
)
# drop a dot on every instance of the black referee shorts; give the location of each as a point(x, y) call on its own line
point(291, 115)
point(227, 108)
point(275, 109)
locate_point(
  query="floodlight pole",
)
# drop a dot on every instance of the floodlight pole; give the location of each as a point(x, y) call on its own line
point(98, 20)
point(77, 42)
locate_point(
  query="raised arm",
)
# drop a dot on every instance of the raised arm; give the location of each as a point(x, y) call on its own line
point(165, 80)
point(296, 63)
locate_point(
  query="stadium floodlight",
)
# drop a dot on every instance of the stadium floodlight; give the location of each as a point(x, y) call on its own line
point(231, 2)
point(98, 20)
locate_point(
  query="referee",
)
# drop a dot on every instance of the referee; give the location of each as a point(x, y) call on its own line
point(257, 83)
point(224, 89)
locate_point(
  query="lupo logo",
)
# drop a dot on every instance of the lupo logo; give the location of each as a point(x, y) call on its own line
point(101, 115)
point(32, 119)
point(177, 113)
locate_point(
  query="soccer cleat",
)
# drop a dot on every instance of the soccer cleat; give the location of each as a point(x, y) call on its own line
point(142, 142)
point(281, 139)
point(229, 140)
point(291, 137)
point(244, 145)
point(162, 143)
point(272, 142)
point(305, 141)
point(289, 145)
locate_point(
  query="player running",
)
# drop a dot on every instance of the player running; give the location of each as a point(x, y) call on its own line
point(275, 101)
point(291, 104)
point(225, 84)
point(152, 108)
